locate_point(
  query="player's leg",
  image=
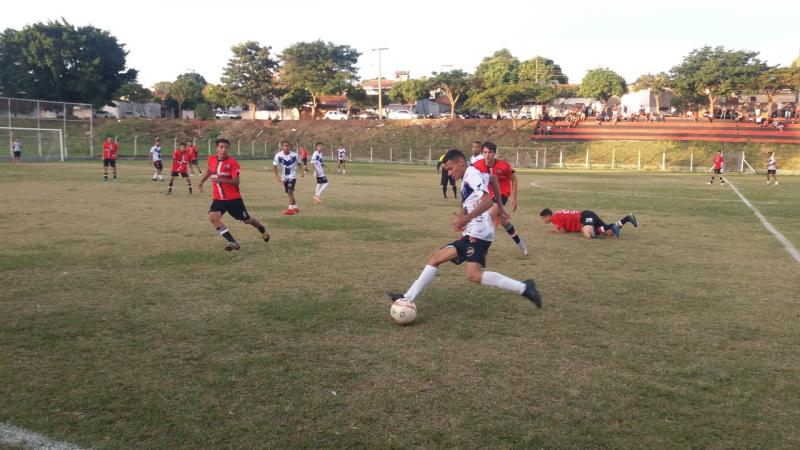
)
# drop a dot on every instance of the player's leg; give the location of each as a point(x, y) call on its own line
point(476, 260)
point(509, 227)
point(105, 169)
point(258, 226)
point(453, 185)
point(114, 167)
point(215, 217)
point(188, 180)
point(322, 184)
point(171, 180)
point(344, 167)
point(292, 200)
point(443, 181)
point(444, 254)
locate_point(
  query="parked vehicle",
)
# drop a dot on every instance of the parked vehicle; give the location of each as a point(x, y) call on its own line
point(335, 115)
point(104, 115)
point(227, 115)
point(402, 114)
point(366, 115)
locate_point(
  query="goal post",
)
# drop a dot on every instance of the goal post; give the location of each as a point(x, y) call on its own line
point(43, 143)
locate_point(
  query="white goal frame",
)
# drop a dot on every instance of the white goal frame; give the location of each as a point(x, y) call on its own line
point(58, 131)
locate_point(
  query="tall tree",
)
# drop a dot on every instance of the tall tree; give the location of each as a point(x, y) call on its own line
point(541, 70)
point(321, 68)
point(510, 96)
point(496, 70)
point(250, 74)
point(295, 98)
point(771, 81)
point(410, 91)
point(454, 84)
point(356, 97)
point(657, 84)
point(187, 87)
point(715, 71)
point(603, 84)
point(218, 96)
point(57, 61)
point(135, 93)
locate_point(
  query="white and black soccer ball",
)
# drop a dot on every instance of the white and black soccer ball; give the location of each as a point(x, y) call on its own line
point(403, 312)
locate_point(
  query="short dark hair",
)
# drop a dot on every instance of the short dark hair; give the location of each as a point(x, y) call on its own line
point(453, 154)
point(183, 143)
point(546, 212)
point(318, 143)
point(223, 140)
point(284, 142)
point(477, 142)
point(490, 145)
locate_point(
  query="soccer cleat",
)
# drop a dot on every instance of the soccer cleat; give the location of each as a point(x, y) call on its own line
point(232, 246)
point(615, 230)
point(767, 183)
point(523, 246)
point(531, 293)
point(289, 212)
point(296, 211)
point(710, 182)
point(265, 236)
point(776, 183)
point(317, 199)
point(632, 220)
point(394, 296)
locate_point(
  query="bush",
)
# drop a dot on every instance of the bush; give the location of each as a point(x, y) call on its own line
point(203, 111)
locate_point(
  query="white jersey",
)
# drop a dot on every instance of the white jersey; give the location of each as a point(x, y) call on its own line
point(772, 163)
point(287, 165)
point(474, 186)
point(155, 152)
point(16, 146)
point(316, 161)
point(475, 158)
point(342, 154)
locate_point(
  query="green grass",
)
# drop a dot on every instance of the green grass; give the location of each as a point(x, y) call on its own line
point(123, 323)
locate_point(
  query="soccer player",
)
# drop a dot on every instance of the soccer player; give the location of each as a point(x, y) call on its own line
point(719, 163)
point(446, 178)
point(585, 222)
point(319, 171)
point(192, 151)
point(155, 156)
point(109, 157)
point(477, 235)
point(477, 152)
point(224, 172)
point(16, 150)
point(342, 154)
point(180, 163)
point(287, 160)
point(304, 157)
point(772, 168)
point(507, 180)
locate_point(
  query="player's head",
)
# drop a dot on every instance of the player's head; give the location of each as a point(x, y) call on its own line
point(285, 146)
point(476, 148)
point(455, 163)
point(489, 152)
point(222, 147)
point(318, 146)
point(183, 145)
point(546, 215)
point(109, 138)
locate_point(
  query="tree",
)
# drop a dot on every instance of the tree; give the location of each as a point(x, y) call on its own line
point(771, 81)
point(249, 76)
point(657, 84)
point(410, 91)
point(295, 98)
point(454, 84)
point(187, 87)
point(541, 70)
point(356, 97)
point(57, 61)
point(203, 111)
point(510, 96)
point(603, 84)
point(321, 68)
point(218, 96)
point(496, 70)
point(135, 93)
point(715, 71)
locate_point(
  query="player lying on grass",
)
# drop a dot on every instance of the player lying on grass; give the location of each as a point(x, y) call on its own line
point(585, 222)
point(477, 234)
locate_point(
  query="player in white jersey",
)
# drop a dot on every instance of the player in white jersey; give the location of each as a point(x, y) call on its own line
point(772, 168)
point(319, 171)
point(477, 229)
point(477, 152)
point(16, 150)
point(155, 157)
point(342, 155)
point(288, 161)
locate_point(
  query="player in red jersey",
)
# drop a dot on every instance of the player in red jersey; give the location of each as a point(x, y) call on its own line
point(586, 222)
point(192, 150)
point(304, 157)
point(110, 148)
point(180, 163)
point(224, 172)
point(719, 163)
point(507, 181)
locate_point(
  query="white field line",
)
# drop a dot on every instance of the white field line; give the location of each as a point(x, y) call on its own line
point(20, 437)
point(781, 238)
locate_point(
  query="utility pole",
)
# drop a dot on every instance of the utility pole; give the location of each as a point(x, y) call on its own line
point(380, 86)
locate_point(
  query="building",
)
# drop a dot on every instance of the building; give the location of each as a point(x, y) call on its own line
point(371, 86)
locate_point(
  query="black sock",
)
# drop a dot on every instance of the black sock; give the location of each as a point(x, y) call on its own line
point(190, 188)
point(261, 228)
point(455, 193)
point(115, 176)
point(223, 231)
point(625, 220)
point(105, 176)
point(444, 191)
point(512, 232)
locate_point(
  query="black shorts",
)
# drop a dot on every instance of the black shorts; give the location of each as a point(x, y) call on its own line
point(470, 250)
point(341, 161)
point(305, 161)
point(446, 178)
point(322, 180)
point(158, 165)
point(504, 199)
point(109, 162)
point(233, 207)
point(17, 154)
point(182, 174)
point(771, 172)
point(718, 171)
point(288, 185)
point(590, 218)
point(195, 163)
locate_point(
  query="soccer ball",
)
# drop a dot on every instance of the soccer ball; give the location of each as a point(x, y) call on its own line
point(403, 312)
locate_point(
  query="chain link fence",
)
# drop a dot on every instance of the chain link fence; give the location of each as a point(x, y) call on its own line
point(33, 122)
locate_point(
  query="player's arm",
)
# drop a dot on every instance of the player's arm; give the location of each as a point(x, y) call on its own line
point(438, 165)
point(275, 171)
point(483, 205)
point(302, 168)
point(234, 179)
point(556, 229)
point(512, 200)
point(497, 200)
point(203, 180)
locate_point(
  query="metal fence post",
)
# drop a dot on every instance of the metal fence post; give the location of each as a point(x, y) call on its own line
point(663, 161)
point(135, 146)
point(209, 147)
point(390, 153)
point(613, 157)
point(265, 149)
point(544, 159)
point(252, 148)
point(370, 154)
point(536, 163)
point(409, 155)
point(741, 164)
point(517, 164)
point(175, 143)
point(587, 157)
point(238, 147)
point(639, 161)
point(561, 158)
point(691, 161)
point(430, 155)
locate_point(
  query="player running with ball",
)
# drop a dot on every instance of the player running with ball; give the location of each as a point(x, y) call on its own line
point(477, 236)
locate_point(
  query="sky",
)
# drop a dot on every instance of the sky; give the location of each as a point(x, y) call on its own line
point(165, 39)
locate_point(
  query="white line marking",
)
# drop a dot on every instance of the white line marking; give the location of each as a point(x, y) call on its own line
point(20, 437)
point(781, 238)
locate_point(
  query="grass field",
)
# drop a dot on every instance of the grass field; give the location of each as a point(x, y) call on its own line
point(123, 323)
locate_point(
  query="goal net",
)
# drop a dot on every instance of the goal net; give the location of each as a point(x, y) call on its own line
point(45, 144)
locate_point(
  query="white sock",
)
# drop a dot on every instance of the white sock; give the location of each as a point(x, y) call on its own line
point(316, 191)
point(321, 188)
point(424, 279)
point(501, 281)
